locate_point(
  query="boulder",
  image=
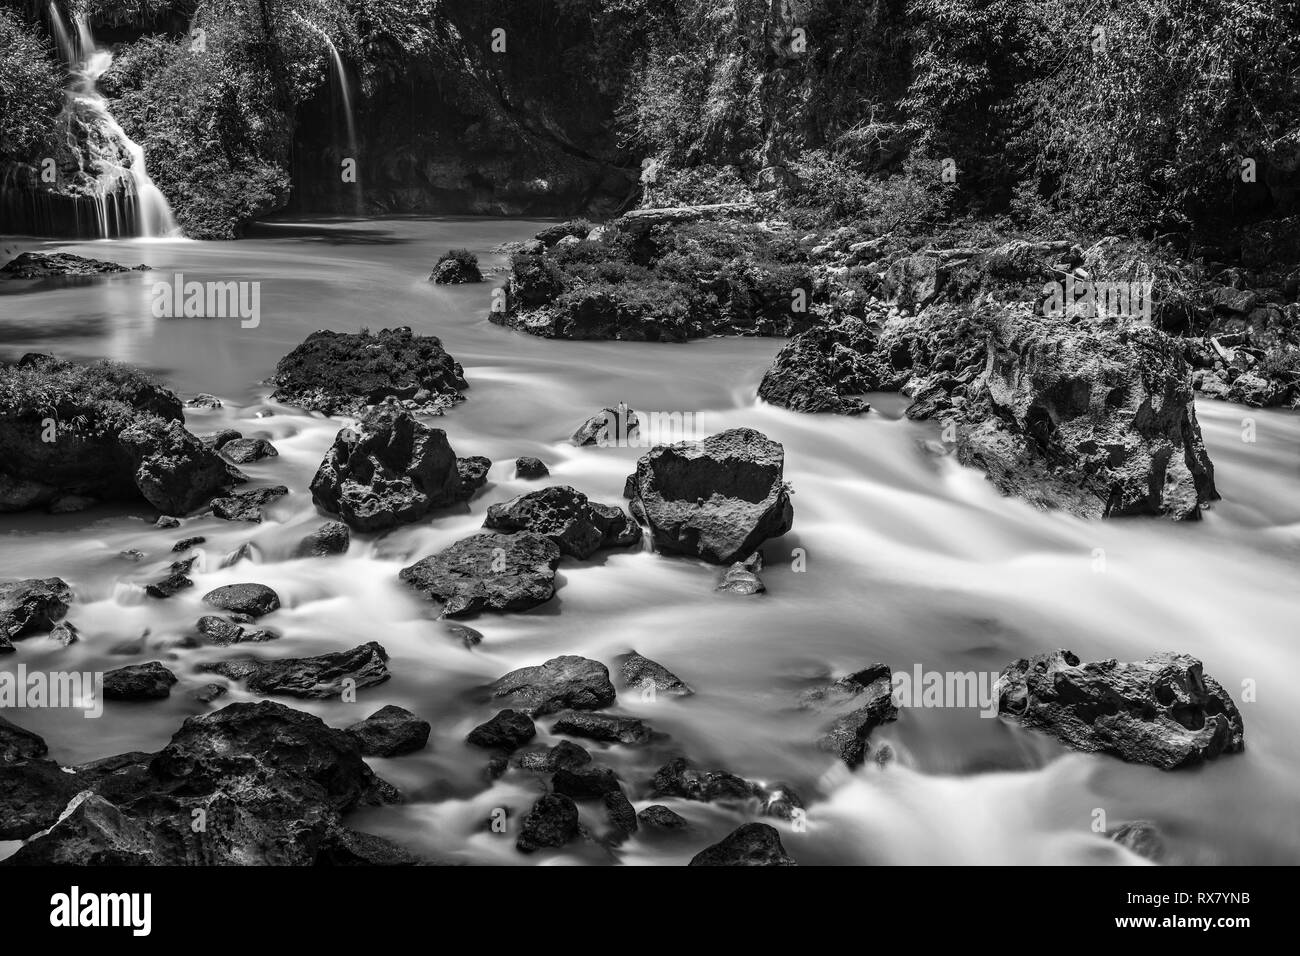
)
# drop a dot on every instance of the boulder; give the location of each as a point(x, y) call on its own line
point(31, 606)
point(456, 267)
point(716, 499)
point(657, 816)
point(753, 844)
point(151, 681)
point(390, 732)
point(568, 682)
point(48, 265)
point(251, 599)
point(605, 727)
point(742, 577)
point(247, 505)
point(565, 516)
point(552, 822)
point(331, 538)
point(33, 793)
point(611, 427)
point(507, 730)
point(848, 735)
point(565, 755)
point(1163, 711)
point(620, 813)
point(341, 373)
point(530, 469)
point(319, 678)
point(391, 470)
point(678, 778)
point(588, 782)
point(488, 572)
point(642, 674)
point(245, 451)
point(824, 369)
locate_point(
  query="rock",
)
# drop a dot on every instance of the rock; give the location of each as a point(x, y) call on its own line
point(588, 782)
point(565, 755)
point(31, 606)
point(244, 451)
point(742, 577)
point(173, 471)
point(203, 400)
point(1228, 299)
point(174, 583)
point(219, 439)
point(347, 847)
point(568, 682)
point(823, 369)
point(251, 599)
point(508, 730)
point(331, 538)
point(33, 793)
point(716, 499)
point(340, 373)
point(466, 635)
point(149, 681)
point(68, 504)
point(1163, 711)
point(874, 679)
point(572, 229)
point(552, 822)
point(643, 220)
point(620, 813)
point(318, 678)
point(210, 692)
point(392, 469)
point(225, 631)
point(46, 265)
point(247, 505)
point(657, 816)
point(18, 744)
point(1142, 838)
point(454, 267)
point(1250, 388)
point(186, 543)
point(678, 778)
point(530, 469)
point(847, 737)
point(643, 673)
point(612, 427)
point(1094, 420)
point(606, 727)
point(245, 552)
point(565, 517)
point(390, 732)
point(166, 521)
point(753, 844)
point(913, 282)
point(493, 572)
point(132, 554)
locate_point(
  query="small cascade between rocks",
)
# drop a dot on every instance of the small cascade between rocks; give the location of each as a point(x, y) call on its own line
point(104, 190)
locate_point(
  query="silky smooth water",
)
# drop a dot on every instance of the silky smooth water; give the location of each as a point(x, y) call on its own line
point(908, 559)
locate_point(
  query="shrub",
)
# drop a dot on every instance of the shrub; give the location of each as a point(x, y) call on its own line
point(31, 93)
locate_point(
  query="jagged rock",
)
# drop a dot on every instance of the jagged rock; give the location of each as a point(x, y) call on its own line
point(347, 847)
point(742, 577)
point(245, 552)
point(564, 516)
point(607, 727)
point(872, 691)
point(642, 673)
point(203, 400)
point(186, 543)
point(494, 572)
point(823, 369)
point(392, 469)
point(717, 499)
point(320, 677)
point(32, 795)
point(753, 844)
point(210, 692)
point(46, 265)
point(530, 469)
point(331, 538)
point(874, 679)
point(248, 598)
point(18, 743)
point(342, 373)
point(167, 522)
point(31, 606)
point(149, 681)
point(174, 583)
point(246, 505)
point(588, 782)
point(1142, 837)
point(657, 816)
point(1162, 711)
point(225, 631)
point(245, 451)
point(219, 439)
point(567, 682)
point(552, 822)
point(390, 732)
point(565, 755)
point(507, 730)
point(620, 813)
point(678, 778)
point(612, 427)
point(466, 635)
point(456, 267)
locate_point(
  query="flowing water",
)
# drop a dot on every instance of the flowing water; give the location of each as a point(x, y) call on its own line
point(907, 559)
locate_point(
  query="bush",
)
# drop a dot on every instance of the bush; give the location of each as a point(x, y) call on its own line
point(455, 266)
point(698, 186)
point(535, 279)
point(31, 92)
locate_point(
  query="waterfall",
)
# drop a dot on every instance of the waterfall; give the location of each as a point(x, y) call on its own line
point(345, 94)
point(61, 37)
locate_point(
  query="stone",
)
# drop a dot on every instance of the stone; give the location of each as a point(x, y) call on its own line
point(31, 606)
point(488, 572)
point(565, 517)
point(507, 730)
point(390, 732)
point(530, 469)
point(589, 782)
point(331, 538)
point(657, 816)
point(552, 822)
point(248, 598)
point(567, 682)
point(609, 728)
point(245, 451)
point(752, 844)
point(151, 681)
point(642, 673)
point(320, 678)
point(247, 505)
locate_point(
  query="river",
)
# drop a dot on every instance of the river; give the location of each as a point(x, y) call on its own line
point(896, 555)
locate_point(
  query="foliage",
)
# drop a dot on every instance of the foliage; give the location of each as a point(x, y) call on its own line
point(31, 93)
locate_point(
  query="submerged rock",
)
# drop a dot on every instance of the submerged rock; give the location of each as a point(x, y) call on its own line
point(488, 572)
point(753, 844)
point(341, 373)
point(391, 470)
point(320, 677)
point(1162, 711)
point(568, 682)
point(588, 782)
point(564, 515)
point(1141, 837)
point(716, 499)
point(151, 681)
point(390, 732)
point(678, 778)
point(31, 606)
point(650, 676)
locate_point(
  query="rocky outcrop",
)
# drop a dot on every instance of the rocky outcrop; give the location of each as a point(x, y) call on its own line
point(562, 683)
point(825, 369)
point(46, 265)
point(1163, 711)
point(31, 606)
point(488, 572)
point(392, 469)
point(716, 499)
point(341, 373)
point(753, 844)
point(322, 677)
point(564, 516)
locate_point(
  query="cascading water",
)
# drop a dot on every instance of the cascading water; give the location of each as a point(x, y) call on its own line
point(103, 185)
point(345, 94)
